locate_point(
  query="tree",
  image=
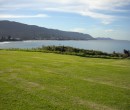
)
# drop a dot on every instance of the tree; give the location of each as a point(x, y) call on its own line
point(9, 37)
point(127, 53)
point(2, 38)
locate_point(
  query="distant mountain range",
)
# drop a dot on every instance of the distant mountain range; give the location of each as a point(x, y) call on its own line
point(19, 31)
point(104, 38)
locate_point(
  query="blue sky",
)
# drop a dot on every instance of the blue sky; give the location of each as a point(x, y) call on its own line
point(99, 18)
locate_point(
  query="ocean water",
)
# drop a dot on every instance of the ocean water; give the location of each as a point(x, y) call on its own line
point(101, 45)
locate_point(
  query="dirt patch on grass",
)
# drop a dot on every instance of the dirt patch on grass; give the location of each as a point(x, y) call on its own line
point(105, 83)
point(92, 105)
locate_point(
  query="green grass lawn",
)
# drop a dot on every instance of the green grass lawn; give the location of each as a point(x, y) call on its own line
point(47, 81)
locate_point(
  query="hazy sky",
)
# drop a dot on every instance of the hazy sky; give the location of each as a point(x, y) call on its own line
point(99, 18)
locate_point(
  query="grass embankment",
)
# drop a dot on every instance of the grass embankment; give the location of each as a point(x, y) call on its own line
point(47, 81)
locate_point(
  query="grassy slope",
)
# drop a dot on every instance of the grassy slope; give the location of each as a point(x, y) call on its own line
point(45, 81)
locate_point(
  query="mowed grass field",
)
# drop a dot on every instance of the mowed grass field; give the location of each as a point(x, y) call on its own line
point(47, 81)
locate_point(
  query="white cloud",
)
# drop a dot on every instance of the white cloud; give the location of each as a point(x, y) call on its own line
point(109, 30)
point(93, 8)
point(5, 16)
point(82, 30)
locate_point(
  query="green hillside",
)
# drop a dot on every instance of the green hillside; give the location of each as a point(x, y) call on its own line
point(13, 31)
point(47, 81)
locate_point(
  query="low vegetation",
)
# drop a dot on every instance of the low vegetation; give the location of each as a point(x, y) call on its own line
point(49, 81)
point(78, 52)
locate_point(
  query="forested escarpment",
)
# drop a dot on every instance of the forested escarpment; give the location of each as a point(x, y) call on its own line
point(18, 31)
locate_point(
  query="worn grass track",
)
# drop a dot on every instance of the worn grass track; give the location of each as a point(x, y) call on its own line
point(46, 81)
